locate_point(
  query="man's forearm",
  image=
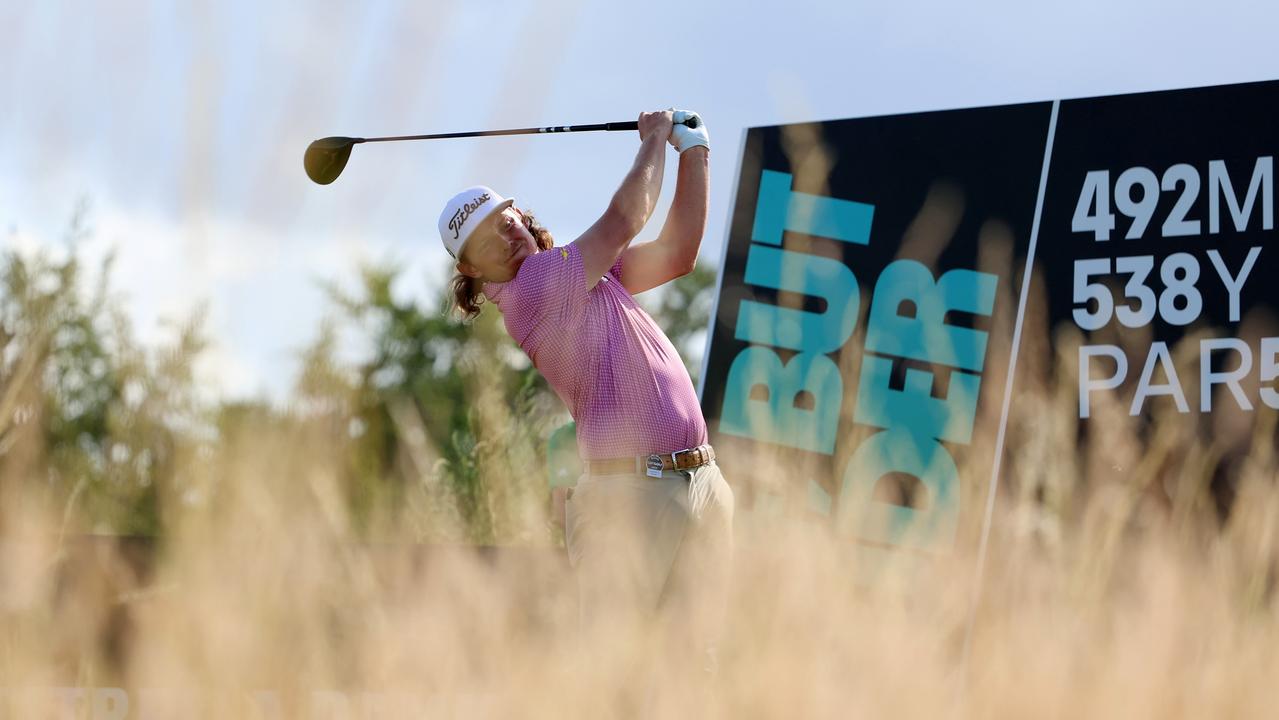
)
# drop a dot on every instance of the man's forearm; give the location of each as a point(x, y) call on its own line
point(686, 223)
point(637, 197)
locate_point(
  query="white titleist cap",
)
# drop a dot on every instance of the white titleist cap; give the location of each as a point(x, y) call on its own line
point(465, 212)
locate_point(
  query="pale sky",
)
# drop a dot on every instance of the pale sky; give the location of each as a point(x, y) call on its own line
point(184, 128)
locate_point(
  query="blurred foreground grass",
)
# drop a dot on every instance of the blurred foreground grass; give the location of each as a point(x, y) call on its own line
point(380, 547)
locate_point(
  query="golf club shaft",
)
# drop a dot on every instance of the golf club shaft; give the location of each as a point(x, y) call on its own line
point(613, 126)
point(519, 131)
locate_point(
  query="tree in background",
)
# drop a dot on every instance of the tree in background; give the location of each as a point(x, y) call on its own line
point(446, 418)
point(104, 428)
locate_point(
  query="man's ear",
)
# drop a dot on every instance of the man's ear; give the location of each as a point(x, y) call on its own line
point(467, 269)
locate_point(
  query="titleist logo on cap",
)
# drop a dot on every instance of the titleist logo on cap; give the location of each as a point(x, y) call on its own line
point(464, 212)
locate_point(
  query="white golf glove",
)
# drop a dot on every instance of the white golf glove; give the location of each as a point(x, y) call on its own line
point(685, 137)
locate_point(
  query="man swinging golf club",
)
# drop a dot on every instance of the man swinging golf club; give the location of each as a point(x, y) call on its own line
point(649, 523)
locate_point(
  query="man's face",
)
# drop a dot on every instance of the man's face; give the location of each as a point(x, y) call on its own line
point(497, 247)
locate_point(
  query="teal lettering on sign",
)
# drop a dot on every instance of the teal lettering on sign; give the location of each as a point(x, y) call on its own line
point(914, 406)
point(915, 421)
point(797, 403)
point(778, 208)
point(900, 450)
point(780, 416)
point(762, 324)
point(925, 336)
point(800, 400)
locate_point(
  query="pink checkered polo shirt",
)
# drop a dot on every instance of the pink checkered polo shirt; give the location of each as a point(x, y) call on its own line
point(608, 361)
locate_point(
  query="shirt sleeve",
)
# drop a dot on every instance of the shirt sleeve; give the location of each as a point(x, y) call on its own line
point(550, 286)
point(616, 270)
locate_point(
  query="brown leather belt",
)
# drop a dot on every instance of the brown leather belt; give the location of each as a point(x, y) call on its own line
point(653, 465)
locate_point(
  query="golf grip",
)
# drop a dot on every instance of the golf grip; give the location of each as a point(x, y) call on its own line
point(692, 122)
point(633, 125)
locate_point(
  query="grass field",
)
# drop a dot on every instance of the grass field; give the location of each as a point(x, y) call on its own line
point(1132, 569)
point(267, 603)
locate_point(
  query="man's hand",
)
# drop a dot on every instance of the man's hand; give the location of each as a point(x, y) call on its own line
point(684, 137)
point(659, 122)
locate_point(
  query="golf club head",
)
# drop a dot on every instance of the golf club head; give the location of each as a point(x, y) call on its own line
point(325, 158)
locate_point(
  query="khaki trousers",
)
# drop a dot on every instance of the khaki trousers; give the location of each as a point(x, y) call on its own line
point(653, 565)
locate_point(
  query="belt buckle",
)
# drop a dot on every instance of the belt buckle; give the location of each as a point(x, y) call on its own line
point(653, 466)
point(675, 456)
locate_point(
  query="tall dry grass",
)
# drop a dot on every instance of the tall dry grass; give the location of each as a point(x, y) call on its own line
point(1123, 598)
point(1132, 572)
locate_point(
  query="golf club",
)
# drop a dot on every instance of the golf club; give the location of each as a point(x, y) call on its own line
point(325, 158)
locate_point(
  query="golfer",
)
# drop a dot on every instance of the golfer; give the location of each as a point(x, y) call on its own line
point(649, 523)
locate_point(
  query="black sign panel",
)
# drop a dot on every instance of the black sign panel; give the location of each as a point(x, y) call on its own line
point(1156, 222)
point(866, 292)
